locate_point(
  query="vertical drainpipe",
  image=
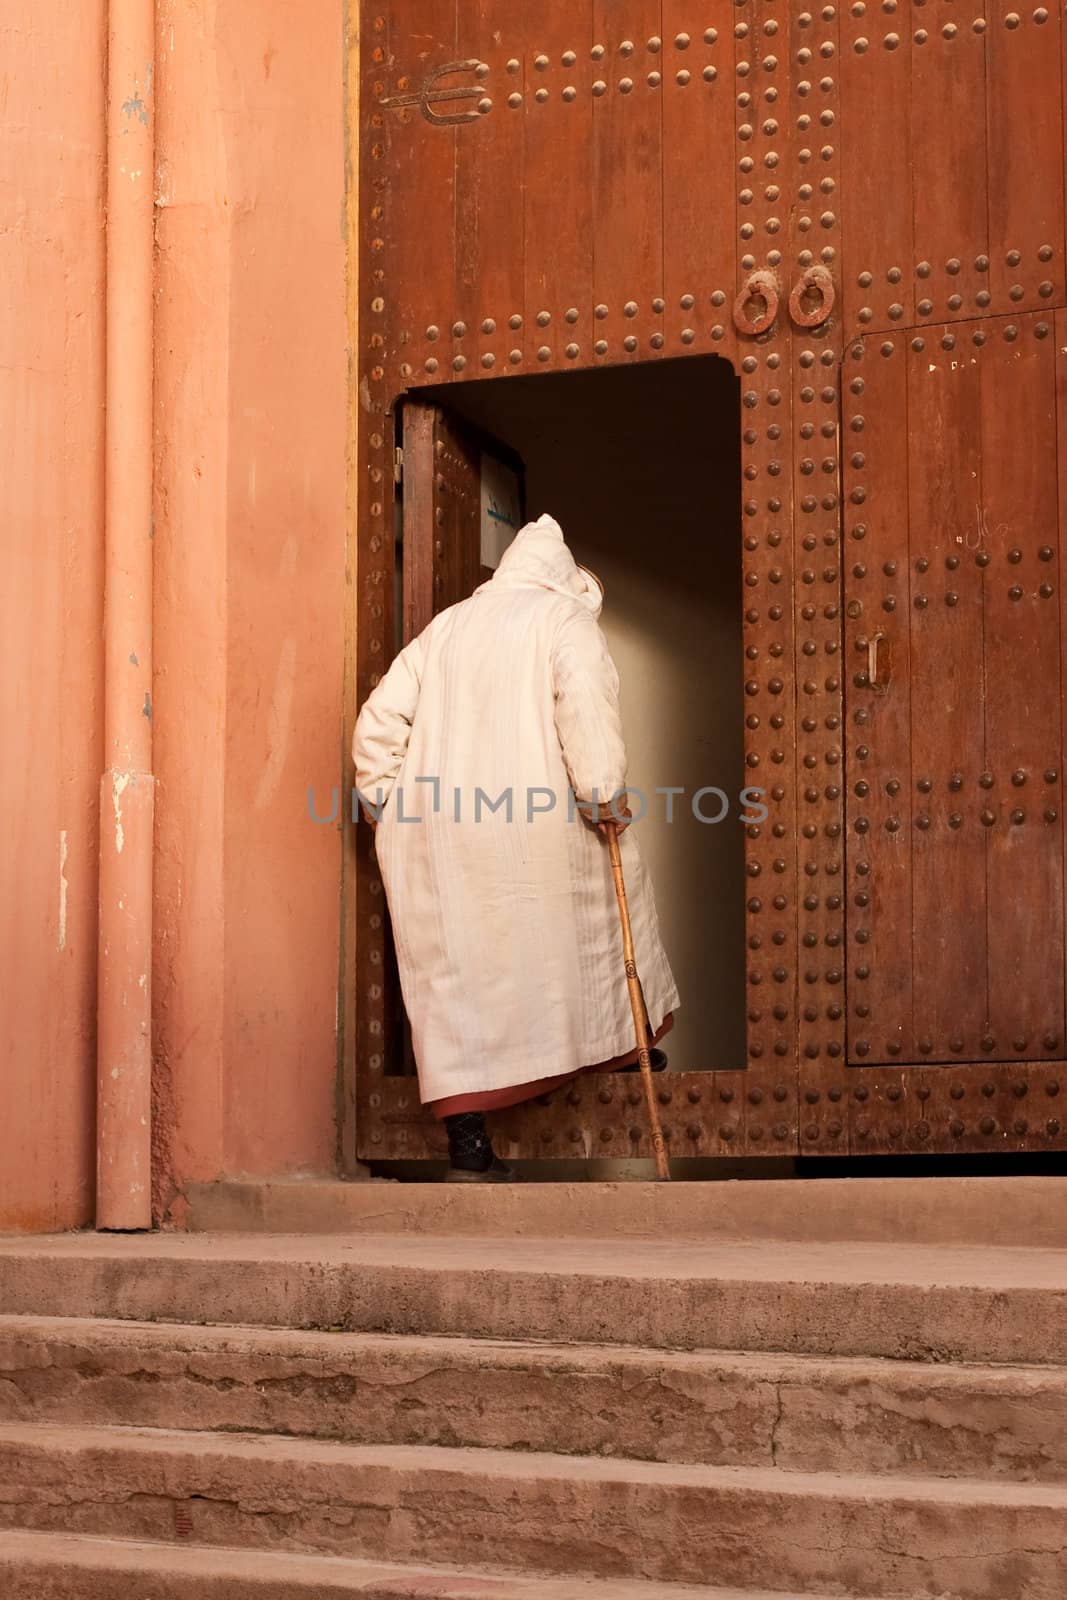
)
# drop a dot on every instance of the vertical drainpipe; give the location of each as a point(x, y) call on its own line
point(124, 999)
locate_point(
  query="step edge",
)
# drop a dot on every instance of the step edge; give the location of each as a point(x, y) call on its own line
point(958, 1207)
point(44, 1548)
point(484, 1461)
point(691, 1262)
point(776, 1365)
point(215, 1336)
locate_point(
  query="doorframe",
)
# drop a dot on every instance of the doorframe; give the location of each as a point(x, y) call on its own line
point(726, 1113)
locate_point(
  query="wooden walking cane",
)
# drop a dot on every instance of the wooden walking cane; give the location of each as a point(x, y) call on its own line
point(637, 1006)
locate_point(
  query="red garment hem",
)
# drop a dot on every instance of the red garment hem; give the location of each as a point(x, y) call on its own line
point(517, 1094)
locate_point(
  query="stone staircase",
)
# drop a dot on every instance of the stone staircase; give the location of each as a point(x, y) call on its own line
point(656, 1410)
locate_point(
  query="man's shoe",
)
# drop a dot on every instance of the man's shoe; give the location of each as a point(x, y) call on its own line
point(498, 1172)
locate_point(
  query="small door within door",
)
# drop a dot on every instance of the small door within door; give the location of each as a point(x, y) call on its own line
point(463, 496)
point(954, 691)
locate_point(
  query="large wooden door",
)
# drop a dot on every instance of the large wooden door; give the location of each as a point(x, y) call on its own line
point(862, 209)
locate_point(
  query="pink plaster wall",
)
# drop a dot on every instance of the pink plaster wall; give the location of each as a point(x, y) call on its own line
point(51, 541)
point(250, 552)
point(249, 590)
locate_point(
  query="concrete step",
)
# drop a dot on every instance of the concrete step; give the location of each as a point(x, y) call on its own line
point(932, 1303)
point(799, 1413)
point(749, 1527)
point(56, 1566)
point(1008, 1211)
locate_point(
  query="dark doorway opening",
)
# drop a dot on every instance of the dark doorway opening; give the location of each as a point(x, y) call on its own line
point(641, 467)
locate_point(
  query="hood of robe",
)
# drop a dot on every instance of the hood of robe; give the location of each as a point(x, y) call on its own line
point(538, 557)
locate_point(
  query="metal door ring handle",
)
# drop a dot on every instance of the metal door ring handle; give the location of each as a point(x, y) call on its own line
point(760, 286)
point(819, 281)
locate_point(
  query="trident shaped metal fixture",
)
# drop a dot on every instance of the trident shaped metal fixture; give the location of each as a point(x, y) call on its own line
point(430, 95)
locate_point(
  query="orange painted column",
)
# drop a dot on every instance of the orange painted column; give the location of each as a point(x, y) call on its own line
point(124, 1037)
point(249, 581)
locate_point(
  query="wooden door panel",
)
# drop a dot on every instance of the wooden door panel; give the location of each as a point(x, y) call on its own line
point(554, 186)
point(1022, 689)
point(956, 850)
point(877, 616)
point(489, 193)
point(412, 247)
point(627, 234)
point(948, 175)
point(1026, 174)
point(442, 514)
point(878, 280)
point(558, 187)
point(941, 462)
point(699, 170)
point(457, 513)
point(952, 183)
point(418, 423)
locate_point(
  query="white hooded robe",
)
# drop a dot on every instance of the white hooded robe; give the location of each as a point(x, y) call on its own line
point(505, 920)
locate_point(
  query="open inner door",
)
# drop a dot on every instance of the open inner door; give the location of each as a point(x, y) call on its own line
point(462, 502)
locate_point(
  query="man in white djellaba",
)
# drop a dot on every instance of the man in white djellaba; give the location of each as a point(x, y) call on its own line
point(491, 759)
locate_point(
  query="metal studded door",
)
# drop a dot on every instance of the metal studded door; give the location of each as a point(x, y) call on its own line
point(824, 197)
point(954, 704)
